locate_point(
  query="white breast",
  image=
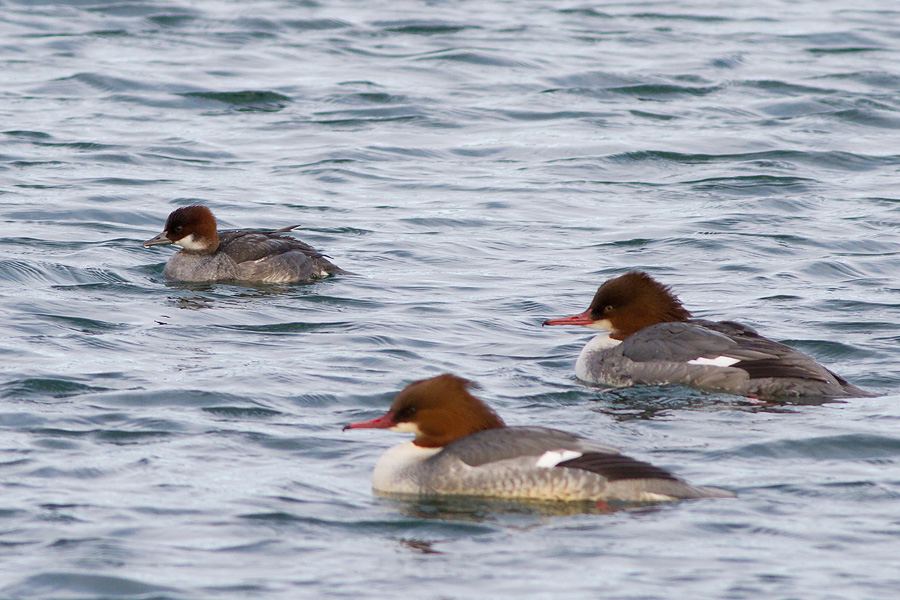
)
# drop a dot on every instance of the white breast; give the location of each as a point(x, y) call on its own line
point(396, 468)
point(598, 343)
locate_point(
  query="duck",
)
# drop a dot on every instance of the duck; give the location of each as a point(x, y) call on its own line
point(461, 447)
point(651, 339)
point(246, 255)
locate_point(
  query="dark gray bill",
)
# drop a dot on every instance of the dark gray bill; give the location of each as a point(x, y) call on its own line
point(159, 240)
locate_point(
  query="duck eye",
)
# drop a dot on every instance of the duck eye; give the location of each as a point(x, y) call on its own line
point(405, 414)
point(179, 228)
point(608, 308)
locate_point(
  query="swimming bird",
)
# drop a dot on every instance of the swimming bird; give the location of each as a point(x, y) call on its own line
point(463, 448)
point(652, 340)
point(244, 255)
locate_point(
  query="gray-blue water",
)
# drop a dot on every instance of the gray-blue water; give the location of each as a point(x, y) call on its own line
point(482, 166)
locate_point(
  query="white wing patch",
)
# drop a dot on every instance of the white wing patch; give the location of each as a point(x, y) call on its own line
point(719, 361)
point(552, 458)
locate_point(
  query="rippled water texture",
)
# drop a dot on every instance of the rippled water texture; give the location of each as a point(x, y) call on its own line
point(482, 166)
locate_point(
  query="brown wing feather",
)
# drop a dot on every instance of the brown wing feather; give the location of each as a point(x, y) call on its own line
point(616, 467)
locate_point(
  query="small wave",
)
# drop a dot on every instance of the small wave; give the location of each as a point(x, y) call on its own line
point(881, 79)
point(754, 185)
point(296, 327)
point(423, 27)
point(867, 117)
point(846, 447)
point(586, 12)
point(475, 58)
point(247, 100)
point(403, 112)
point(173, 20)
point(681, 17)
point(56, 584)
point(44, 387)
point(107, 83)
point(241, 412)
point(316, 24)
point(844, 161)
point(83, 324)
point(34, 272)
point(28, 135)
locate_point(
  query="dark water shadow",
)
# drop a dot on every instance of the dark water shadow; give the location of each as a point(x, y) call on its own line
point(480, 510)
point(650, 402)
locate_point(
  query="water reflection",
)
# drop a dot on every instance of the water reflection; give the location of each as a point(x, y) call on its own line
point(510, 512)
point(204, 295)
point(650, 402)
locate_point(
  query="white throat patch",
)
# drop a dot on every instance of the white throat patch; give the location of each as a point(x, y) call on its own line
point(407, 427)
point(601, 325)
point(191, 242)
point(601, 342)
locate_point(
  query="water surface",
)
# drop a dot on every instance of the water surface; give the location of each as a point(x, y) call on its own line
point(482, 167)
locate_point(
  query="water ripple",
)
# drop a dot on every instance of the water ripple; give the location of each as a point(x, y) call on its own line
point(480, 170)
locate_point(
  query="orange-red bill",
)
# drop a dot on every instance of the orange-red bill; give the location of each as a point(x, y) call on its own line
point(582, 319)
point(384, 422)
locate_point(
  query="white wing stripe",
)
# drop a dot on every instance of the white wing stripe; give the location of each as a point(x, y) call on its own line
point(552, 458)
point(719, 361)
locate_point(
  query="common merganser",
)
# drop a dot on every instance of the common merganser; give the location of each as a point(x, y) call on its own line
point(463, 448)
point(653, 340)
point(244, 255)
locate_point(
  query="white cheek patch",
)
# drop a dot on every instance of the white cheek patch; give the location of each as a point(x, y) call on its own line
point(552, 458)
point(719, 361)
point(407, 427)
point(601, 325)
point(190, 242)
